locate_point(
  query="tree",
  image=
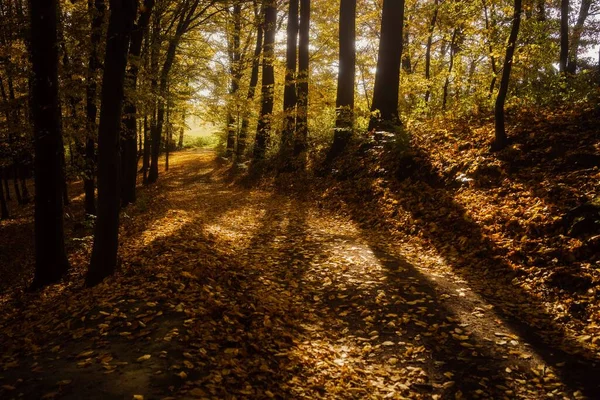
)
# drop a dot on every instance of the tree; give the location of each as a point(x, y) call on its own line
point(235, 70)
point(128, 139)
point(290, 97)
point(584, 12)
point(428, 49)
point(241, 142)
point(97, 9)
point(387, 77)
point(106, 235)
point(263, 129)
point(564, 35)
point(501, 140)
point(344, 101)
point(301, 137)
point(50, 257)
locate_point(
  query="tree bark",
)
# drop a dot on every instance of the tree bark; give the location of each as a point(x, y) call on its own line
point(450, 67)
point(3, 206)
point(344, 102)
point(564, 35)
point(241, 147)
point(584, 11)
point(501, 140)
point(301, 136)
point(128, 139)
point(50, 257)
point(98, 11)
point(235, 70)
point(263, 129)
point(106, 236)
point(428, 50)
point(290, 97)
point(387, 77)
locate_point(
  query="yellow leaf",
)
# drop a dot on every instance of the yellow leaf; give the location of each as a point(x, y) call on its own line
point(144, 357)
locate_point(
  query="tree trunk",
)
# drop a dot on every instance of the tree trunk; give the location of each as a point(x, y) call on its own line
point(450, 67)
point(584, 11)
point(387, 77)
point(263, 130)
point(501, 140)
point(241, 147)
point(128, 139)
point(301, 137)
point(3, 206)
point(428, 50)
point(4, 177)
point(290, 97)
point(50, 257)
point(344, 102)
point(106, 236)
point(235, 70)
point(489, 24)
point(98, 11)
point(564, 35)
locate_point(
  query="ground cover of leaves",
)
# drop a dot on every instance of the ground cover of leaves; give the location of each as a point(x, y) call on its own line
point(368, 285)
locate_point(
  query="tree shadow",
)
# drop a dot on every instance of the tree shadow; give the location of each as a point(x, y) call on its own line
point(444, 224)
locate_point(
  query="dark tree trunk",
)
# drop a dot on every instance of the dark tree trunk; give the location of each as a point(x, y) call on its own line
point(301, 137)
point(50, 257)
point(428, 50)
point(4, 208)
point(489, 24)
point(450, 67)
point(387, 77)
point(168, 132)
point(344, 102)
point(6, 185)
point(97, 10)
point(241, 146)
point(154, 56)
point(263, 130)
point(106, 236)
point(584, 11)
point(289, 93)
point(564, 35)
point(146, 156)
point(128, 138)
point(501, 140)
point(235, 70)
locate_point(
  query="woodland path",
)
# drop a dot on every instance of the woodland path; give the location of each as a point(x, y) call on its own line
point(228, 292)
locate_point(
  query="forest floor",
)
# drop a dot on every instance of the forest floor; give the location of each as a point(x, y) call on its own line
point(364, 285)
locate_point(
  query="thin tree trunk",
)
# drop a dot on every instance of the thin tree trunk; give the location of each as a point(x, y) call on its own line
point(301, 137)
point(129, 136)
point(236, 74)
point(241, 147)
point(490, 23)
point(564, 35)
point(450, 67)
point(290, 97)
point(106, 236)
point(3, 206)
point(6, 185)
point(501, 140)
point(584, 11)
point(50, 257)
point(344, 102)
point(387, 77)
point(428, 50)
point(263, 130)
point(98, 11)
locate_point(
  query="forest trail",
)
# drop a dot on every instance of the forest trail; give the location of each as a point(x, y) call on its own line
point(227, 292)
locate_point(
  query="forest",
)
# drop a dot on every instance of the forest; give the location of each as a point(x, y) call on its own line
point(285, 199)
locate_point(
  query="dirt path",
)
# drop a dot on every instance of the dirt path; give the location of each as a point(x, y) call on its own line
point(233, 293)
